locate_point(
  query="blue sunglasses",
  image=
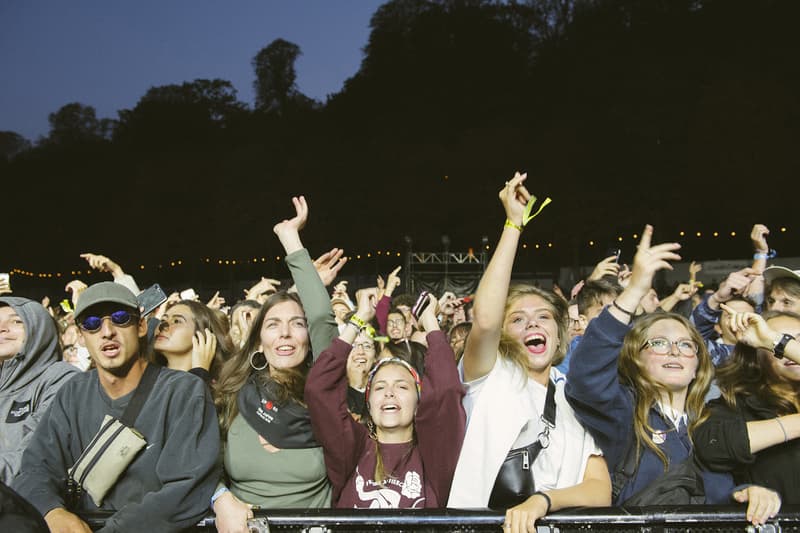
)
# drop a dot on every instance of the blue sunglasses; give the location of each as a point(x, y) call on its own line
point(118, 318)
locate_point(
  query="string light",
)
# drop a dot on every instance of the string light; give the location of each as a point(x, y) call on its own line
point(387, 253)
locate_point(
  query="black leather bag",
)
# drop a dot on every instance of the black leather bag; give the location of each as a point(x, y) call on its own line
point(514, 483)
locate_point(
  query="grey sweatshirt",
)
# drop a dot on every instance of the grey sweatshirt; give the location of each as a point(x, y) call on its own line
point(28, 382)
point(168, 485)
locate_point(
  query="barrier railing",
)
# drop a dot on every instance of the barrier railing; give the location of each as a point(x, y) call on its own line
point(654, 519)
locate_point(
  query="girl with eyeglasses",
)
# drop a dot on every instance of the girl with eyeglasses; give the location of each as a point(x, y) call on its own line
point(753, 428)
point(640, 388)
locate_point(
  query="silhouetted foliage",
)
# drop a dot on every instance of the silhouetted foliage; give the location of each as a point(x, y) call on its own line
point(75, 122)
point(683, 113)
point(12, 143)
point(275, 84)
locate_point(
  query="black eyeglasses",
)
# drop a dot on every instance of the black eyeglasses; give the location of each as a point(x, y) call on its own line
point(663, 346)
point(118, 318)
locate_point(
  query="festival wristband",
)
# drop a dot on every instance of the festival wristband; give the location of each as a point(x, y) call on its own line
point(510, 224)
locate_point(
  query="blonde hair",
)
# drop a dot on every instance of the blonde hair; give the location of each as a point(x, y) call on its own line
point(633, 372)
point(510, 347)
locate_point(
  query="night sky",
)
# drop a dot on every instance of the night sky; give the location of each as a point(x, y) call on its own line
point(107, 54)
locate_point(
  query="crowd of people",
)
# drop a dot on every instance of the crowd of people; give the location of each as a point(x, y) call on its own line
point(516, 398)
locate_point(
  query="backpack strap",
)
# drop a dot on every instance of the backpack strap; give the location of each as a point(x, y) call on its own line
point(626, 469)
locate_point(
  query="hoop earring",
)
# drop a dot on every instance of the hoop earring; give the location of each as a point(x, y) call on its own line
point(259, 355)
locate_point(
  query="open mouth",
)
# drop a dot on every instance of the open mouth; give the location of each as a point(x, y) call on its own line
point(285, 350)
point(390, 408)
point(110, 349)
point(536, 343)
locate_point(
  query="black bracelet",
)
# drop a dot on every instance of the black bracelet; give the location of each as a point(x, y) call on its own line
point(547, 499)
point(615, 304)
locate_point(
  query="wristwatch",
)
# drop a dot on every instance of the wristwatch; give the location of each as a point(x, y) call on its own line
point(780, 345)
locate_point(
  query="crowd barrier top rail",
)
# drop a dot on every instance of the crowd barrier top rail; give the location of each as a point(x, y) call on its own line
point(651, 519)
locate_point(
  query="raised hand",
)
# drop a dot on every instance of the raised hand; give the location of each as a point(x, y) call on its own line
point(606, 267)
point(392, 281)
point(288, 230)
point(101, 263)
point(514, 197)
point(75, 287)
point(329, 264)
point(750, 328)
point(649, 259)
point(735, 284)
point(264, 285)
point(758, 236)
point(216, 301)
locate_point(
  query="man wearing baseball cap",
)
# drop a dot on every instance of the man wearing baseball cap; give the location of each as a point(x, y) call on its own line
point(167, 485)
point(782, 289)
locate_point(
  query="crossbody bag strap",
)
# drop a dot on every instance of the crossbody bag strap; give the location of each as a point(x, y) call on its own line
point(140, 395)
point(548, 417)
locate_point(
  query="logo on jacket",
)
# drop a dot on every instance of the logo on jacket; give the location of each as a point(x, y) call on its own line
point(19, 411)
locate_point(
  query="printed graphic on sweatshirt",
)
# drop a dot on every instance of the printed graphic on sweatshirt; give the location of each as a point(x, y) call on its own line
point(393, 494)
point(19, 411)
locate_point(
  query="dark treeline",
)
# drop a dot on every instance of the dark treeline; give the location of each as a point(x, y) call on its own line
point(681, 113)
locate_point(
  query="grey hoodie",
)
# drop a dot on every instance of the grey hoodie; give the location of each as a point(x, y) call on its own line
point(28, 381)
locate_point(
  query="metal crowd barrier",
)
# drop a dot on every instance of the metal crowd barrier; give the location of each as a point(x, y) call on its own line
point(653, 519)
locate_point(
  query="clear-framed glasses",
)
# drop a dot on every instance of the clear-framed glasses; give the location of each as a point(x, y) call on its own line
point(663, 346)
point(365, 346)
point(396, 323)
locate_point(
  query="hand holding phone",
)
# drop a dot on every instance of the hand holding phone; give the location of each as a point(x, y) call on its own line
point(150, 298)
point(420, 305)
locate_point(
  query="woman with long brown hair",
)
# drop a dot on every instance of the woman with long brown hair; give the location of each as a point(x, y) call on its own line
point(194, 338)
point(753, 428)
point(271, 458)
point(640, 391)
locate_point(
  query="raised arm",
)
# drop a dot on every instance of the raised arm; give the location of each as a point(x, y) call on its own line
point(593, 388)
point(480, 352)
point(326, 395)
point(440, 420)
point(316, 304)
point(104, 264)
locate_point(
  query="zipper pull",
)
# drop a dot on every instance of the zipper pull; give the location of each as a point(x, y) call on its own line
point(526, 465)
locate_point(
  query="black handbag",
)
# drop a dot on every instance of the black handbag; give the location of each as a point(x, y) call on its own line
point(514, 483)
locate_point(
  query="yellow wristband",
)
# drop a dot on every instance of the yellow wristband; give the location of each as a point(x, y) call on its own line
point(510, 224)
point(358, 322)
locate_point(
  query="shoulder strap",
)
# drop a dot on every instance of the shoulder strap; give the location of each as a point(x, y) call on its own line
point(549, 414)
point(140, 395)
point(625, 471)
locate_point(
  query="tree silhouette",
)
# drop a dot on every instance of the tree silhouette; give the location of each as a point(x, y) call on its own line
point(12, 143)
point(275, 85)
point(76, 122)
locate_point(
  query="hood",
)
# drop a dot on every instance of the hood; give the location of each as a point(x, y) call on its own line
point(40, 349)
